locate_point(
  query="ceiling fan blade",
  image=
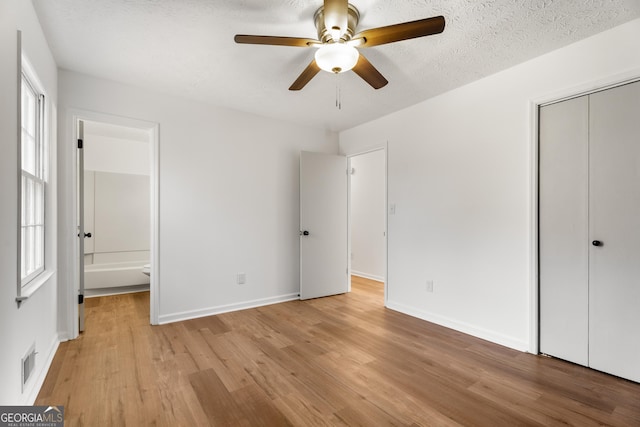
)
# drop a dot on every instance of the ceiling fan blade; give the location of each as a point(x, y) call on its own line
point(306, 76)
point(335, 17)
point(275, 40)
point(369, 73)
point(404, 31)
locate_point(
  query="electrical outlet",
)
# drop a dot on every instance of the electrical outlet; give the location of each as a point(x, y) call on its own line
point(429, 285)
point(241, 278)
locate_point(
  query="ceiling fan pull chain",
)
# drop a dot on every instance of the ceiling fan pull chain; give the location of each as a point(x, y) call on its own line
point(338, 93)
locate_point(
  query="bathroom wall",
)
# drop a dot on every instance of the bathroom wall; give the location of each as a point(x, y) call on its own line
point(117, 216)
point(112, 148)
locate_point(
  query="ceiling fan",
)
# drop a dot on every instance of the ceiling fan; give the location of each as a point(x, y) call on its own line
point(336, 22)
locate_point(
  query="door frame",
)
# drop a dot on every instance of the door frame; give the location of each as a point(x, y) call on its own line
point(386, 221)
point(598, 85)
point(75, 115)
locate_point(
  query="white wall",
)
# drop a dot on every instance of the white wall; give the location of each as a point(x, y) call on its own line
point(118, 216)
point(106, 154)
point(35, 320)
point(110, 154)
point(460, 173)
point(228, 195)
point(367, 215)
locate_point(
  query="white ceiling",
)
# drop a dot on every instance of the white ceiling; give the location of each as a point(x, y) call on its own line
point(186, 48)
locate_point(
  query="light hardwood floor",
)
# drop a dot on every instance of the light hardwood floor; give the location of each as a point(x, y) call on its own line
point(342, 360)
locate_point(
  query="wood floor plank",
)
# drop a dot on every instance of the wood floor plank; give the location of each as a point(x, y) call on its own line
point(219, 405)
point(336, 361)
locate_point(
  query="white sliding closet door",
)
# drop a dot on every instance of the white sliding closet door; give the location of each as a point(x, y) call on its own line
point(614, 211)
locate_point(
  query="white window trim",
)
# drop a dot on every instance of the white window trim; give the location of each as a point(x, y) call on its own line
point(33, 282)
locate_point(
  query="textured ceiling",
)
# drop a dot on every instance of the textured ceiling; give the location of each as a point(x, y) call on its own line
point(186, 48)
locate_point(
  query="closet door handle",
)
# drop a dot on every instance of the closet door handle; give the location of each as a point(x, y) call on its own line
point(596, 243)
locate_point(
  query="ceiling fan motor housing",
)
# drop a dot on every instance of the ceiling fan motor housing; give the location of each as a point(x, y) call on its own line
point(324, 34)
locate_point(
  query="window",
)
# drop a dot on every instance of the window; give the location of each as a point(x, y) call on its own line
point(33, 184)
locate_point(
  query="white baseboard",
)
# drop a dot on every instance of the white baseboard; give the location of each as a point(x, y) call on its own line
point(43, 370)
point(211, 311)
point(367, 276)
point(466, 328)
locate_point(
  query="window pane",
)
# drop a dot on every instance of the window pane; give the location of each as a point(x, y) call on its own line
point(28, 109)
point(29, 250)
point(29, 129)
point(38, 247)
point(23, 253)
point(23, 206)
point(39, 203)
point(30, 202)
point(29, 153)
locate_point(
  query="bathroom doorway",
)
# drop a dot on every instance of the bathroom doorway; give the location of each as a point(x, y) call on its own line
point(117, 214)
point(367, 219)
point(117, 209)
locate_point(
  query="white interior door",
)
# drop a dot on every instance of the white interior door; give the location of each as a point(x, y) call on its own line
point(563, 229)
point(323, 225)
point(614, 265)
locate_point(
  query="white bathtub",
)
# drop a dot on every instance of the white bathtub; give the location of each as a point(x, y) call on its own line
point(112, 275)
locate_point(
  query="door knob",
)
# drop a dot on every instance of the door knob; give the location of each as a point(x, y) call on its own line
point(596, 243)
point(304, 233)
point(86, 235)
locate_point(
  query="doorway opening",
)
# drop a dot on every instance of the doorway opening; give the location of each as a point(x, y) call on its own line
point(117, 209)
point(368, 220)
point(117, 214)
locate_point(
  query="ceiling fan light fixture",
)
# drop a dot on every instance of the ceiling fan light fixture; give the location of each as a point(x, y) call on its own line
point(337, 57)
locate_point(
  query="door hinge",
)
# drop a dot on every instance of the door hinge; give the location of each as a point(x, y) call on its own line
point(79, 143)
point(80, 299)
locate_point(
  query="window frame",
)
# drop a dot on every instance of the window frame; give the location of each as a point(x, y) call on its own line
point(32, 218)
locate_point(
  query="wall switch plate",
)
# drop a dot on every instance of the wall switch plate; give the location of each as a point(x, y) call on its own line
point(429, 285)
point(241, 278)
